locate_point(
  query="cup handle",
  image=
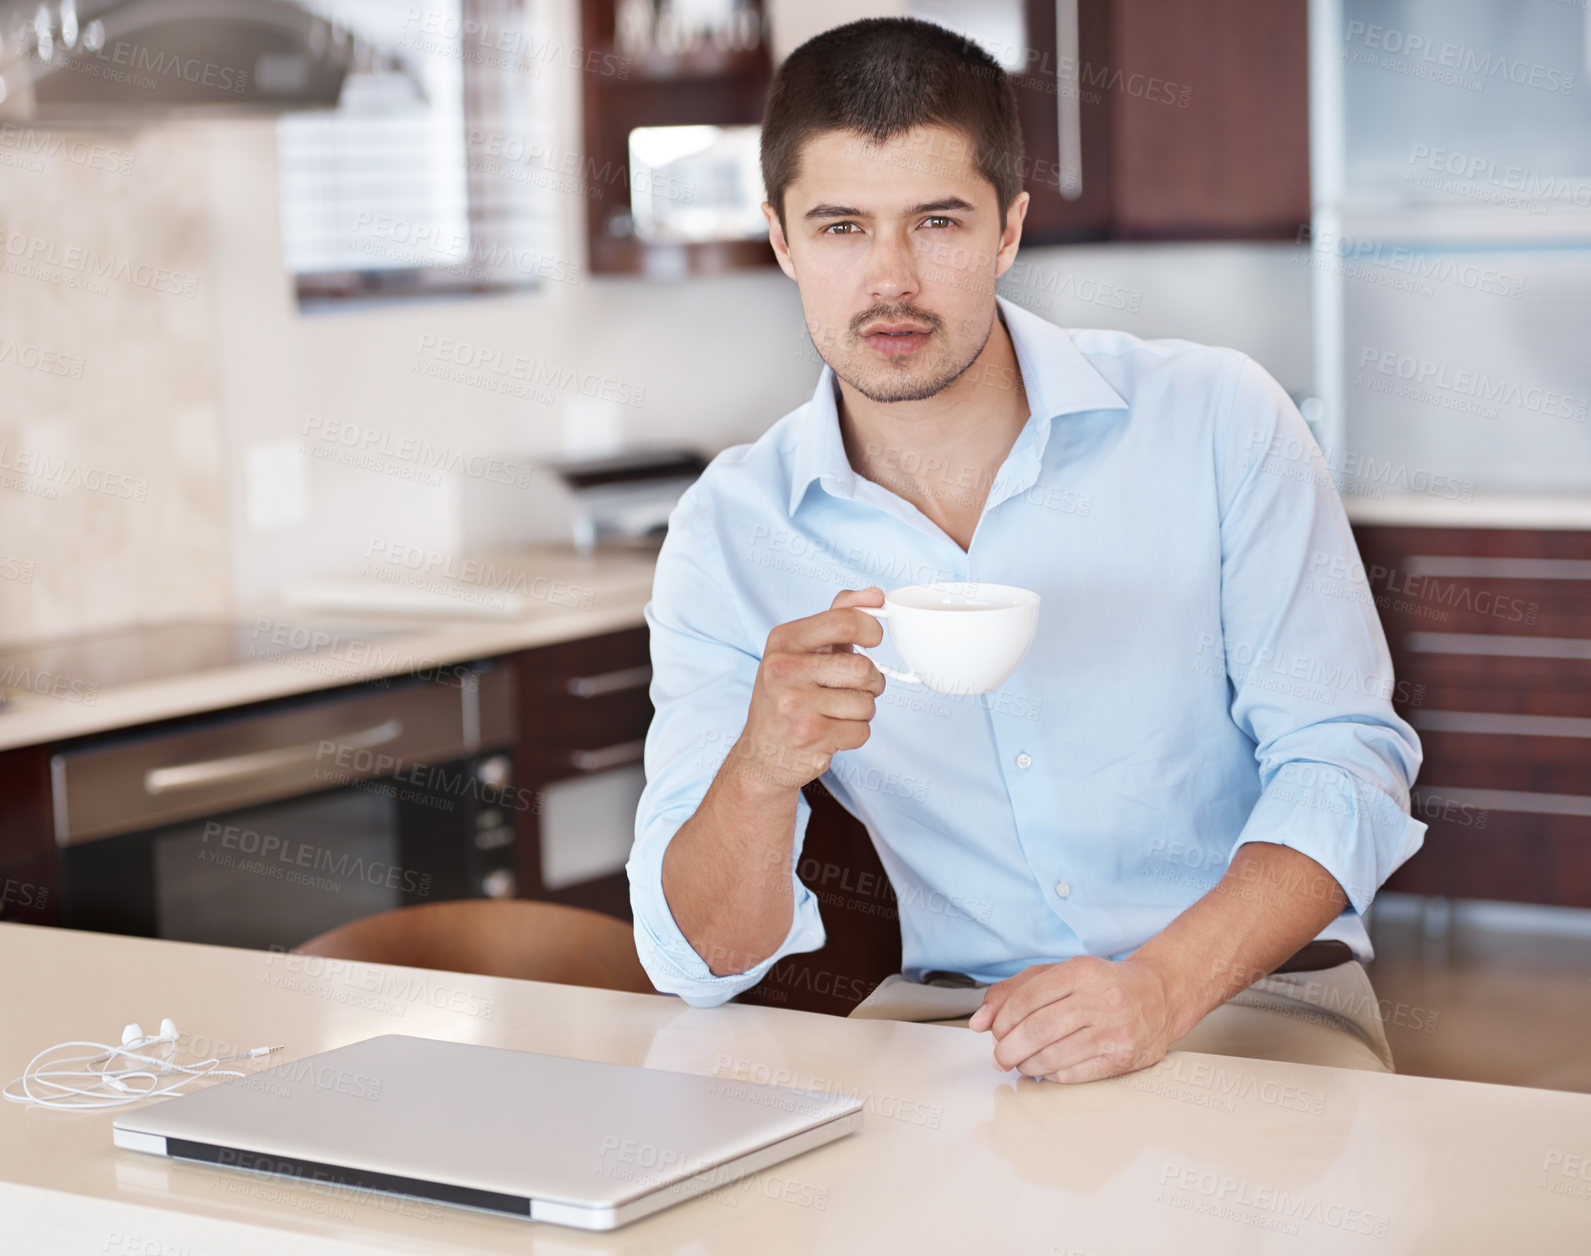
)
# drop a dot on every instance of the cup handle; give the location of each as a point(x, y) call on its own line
point(881, 614)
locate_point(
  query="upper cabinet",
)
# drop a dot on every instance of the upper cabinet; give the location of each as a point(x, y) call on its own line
point(1165, 119)
point(670, 137)
point(1141, 119)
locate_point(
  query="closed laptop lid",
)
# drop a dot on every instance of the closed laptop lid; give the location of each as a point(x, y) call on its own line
point(488, 1120)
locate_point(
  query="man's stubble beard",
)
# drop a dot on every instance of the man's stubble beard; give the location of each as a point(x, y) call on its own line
point(887, 391)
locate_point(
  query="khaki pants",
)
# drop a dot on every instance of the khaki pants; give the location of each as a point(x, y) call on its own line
point(1328, 1017)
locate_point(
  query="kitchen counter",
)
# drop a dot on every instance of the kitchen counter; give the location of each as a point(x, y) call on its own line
point(1202, 1153)
point(1429, 510)
point(565, 595)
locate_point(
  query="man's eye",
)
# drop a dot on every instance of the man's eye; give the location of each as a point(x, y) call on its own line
point(949, 222)
point(831, 228)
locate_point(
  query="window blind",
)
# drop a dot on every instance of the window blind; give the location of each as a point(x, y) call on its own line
point(433, 174)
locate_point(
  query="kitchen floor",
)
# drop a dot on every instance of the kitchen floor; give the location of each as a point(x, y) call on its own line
point(1487, 992)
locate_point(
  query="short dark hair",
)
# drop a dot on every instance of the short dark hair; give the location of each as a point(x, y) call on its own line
point(881, 77)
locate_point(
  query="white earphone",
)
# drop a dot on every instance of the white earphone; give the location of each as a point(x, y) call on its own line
point(98, 1084)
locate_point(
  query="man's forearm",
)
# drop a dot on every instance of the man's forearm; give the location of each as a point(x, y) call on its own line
point(726, 872)
point(1272, 901)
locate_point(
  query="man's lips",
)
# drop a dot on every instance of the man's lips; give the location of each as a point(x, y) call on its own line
point(894, 328)
point(896, 339)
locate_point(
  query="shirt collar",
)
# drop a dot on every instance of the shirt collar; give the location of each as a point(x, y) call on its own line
point(1057, 377)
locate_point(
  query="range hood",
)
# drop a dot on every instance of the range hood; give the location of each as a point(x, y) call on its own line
point(129, 62)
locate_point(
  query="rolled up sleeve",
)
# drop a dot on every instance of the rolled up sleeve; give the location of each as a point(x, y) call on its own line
point(703, 669)
point(1311, 678)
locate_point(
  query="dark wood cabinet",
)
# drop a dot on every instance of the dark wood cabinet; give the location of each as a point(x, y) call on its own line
point(1193, 120)
point(1211, 119)
point(583, 711)
point(705, 87)
point(30, 891)
point(1047, 84)
point(1182, 119)
point(27, 825)
point(1490, 634)
point(583, 704)
point(30, 873)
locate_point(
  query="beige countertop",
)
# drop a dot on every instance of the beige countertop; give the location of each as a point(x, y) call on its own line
point(564, 596)
point(1434, 511)
point(1200, 1154)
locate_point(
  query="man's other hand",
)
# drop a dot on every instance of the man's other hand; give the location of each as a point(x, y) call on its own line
point(1079, 1020)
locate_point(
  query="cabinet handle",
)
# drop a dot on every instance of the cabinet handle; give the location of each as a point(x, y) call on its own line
point(1069, 115)
point(1496, 725)
point(608, 756)
point(1498, 645)
point(610, 682)
point(1465, 568)
point(242, 767)
point(1512, 800)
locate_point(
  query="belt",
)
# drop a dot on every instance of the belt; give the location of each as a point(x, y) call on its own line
point(1311, 957)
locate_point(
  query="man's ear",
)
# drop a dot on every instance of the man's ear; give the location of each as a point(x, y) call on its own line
point(781, 247)
point(1011, 237)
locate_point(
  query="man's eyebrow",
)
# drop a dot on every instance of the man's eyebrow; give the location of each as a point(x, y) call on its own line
point(927, 207)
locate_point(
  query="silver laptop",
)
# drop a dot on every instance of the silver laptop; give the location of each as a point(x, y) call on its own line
point(543, 1137)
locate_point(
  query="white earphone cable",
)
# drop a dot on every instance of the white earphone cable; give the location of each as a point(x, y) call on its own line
point(93, 1083)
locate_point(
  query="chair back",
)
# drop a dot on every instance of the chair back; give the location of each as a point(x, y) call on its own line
point(518, 938)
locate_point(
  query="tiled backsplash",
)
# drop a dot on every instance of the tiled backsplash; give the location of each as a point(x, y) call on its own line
point(111, 459)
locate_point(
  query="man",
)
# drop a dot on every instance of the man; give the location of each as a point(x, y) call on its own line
point(1195, 771)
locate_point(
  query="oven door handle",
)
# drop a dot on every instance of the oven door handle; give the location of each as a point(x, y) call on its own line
point(242, 767)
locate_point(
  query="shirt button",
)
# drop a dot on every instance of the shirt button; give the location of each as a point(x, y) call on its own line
point(1024, 760)
point(1062, 889)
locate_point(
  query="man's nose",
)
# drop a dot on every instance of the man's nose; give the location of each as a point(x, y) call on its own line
point(891, 268)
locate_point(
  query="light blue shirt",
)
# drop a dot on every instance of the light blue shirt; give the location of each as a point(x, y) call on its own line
point(1208, 668)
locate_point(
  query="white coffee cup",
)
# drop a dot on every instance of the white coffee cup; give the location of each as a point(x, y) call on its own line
point(958, 639)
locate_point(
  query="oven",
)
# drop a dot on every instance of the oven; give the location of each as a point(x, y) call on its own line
point(265, 827)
